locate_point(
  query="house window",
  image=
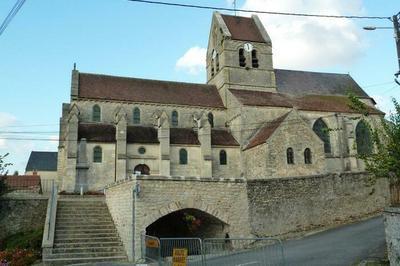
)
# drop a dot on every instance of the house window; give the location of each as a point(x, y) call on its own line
point(322, 131)
point(174, 118)
point(307, 156)
point(242, 58)
point(363, 138)
point(183, 156)
point(96, 113)
point(211, 119)
point(136, 115)
point(254, 59)
point(222, 157)
point(97, 154)
point(290, 156)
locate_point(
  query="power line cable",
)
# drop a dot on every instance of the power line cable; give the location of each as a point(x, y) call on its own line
point(11, 15)
point(258, 11)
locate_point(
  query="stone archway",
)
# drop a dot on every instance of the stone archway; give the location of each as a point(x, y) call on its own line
point(188, 222)
point(142, 168)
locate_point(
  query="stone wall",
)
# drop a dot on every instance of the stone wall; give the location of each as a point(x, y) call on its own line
point(120, 204)
point(224, 199)
point(392, 232)
point(185, 113)
point(20, 214)
point(283, 205)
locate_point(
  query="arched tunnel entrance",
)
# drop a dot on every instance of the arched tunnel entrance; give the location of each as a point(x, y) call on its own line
point(188, 223)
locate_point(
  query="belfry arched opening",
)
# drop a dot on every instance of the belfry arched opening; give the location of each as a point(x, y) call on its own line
point(188, 223)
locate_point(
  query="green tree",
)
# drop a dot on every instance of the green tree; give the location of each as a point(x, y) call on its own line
point(3, 172)
point(384, 162)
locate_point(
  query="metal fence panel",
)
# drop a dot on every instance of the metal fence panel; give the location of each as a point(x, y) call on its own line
point(150, 248)
point(192, 245)
point(243, 251)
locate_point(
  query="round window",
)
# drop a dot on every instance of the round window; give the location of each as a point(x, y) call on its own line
point(142, 150)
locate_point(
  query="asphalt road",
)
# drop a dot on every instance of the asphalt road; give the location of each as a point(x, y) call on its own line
point(341, 246)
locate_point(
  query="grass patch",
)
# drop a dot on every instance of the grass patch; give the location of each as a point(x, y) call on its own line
point(23, 240)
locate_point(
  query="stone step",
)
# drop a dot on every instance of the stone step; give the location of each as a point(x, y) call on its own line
point(82, 212)
point(68, 236)
point(86, 240)
point(63, 232)
point(75, 261)
point(82, 216)
point(86, 253)
point(84, 226)
point(88, 244)
point(83, 222)
point(70, 250)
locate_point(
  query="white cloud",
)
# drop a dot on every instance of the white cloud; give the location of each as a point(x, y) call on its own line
point(193, 61)
point(6, 119)
point(300, 42)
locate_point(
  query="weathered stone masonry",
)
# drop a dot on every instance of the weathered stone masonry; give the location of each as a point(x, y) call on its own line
point(20, 215)
point(279, 206)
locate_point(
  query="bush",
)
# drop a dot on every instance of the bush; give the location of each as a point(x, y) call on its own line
point(20, 257)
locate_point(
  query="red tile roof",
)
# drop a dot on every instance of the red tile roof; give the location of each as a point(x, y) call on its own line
point(96, 132)
point(222, 137)
point(324, 103)
point(103, 87)
point(183, 136)
point(22, 182)
point(137, 134)
point(243, 28)
point(265, 132)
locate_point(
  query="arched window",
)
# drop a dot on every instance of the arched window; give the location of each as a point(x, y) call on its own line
point(96, 113)
point(254, 59)
point(307, 156)
point(136, 115)
point(183, 156)
point(216, 62)
point(322, 131)
point(363, 138)
point(97, 154)
point(174, 118)
point(211, 119)
point(212, 67)
point(222, 157)
point(242, 58)
point(290, 156)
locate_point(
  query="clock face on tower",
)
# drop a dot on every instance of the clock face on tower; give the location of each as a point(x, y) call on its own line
point(248, 47)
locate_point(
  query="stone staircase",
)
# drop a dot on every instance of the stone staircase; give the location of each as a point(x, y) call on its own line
point(84, 233)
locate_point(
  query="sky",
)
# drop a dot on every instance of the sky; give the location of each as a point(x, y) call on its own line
point(119, 37)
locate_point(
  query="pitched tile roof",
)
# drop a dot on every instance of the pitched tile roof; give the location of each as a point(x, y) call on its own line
point(104, 87)
point(96, 132)
point(243, 28)
point(265, 132)
point(324, 103)
point(22, 182)
point(302, 83)
point(137, 134)
point(222, 137)
point(183, 136)
point(42, 161)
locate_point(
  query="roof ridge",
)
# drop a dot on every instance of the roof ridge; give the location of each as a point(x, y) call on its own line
point(145, 79)
point(316, 72)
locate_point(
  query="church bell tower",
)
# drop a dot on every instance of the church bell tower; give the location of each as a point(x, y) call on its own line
point(239, 55)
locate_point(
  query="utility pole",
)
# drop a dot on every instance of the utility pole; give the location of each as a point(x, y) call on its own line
point(397, 38)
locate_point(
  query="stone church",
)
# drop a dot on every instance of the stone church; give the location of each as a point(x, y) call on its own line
point(257, 151)
point(250, 121)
